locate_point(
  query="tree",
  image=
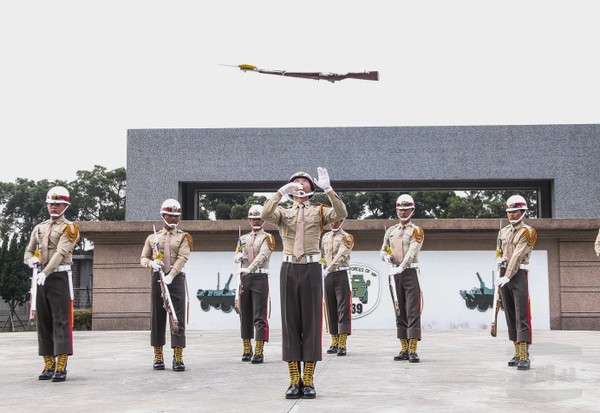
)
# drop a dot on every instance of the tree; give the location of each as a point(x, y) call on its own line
point(99, 195)
point(14, 277)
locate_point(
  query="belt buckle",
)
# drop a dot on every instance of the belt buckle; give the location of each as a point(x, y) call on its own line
point(298, 259)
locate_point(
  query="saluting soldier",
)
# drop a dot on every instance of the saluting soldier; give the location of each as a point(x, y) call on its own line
point(336, 247)
point(252, 301)
point(515, 243)
point(301, 284)
point(401, 245)
point(50, 250)
point(168, 250)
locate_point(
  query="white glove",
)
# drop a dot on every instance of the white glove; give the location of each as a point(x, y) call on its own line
point(156, 265)
point(288, 189)
point(325, 272)
point(239, 257)
point(168, 279)
point(41, 278)
point(242, 271)
point(33, 262)
point(502, 281)
point(385, 256)
point(322, 180)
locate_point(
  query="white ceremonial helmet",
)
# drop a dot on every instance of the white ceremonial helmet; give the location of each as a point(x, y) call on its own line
point(171, 207)
point(254, 213)
point(310, 180)
point(58, 195)
point(405, 201)
point(515, 203)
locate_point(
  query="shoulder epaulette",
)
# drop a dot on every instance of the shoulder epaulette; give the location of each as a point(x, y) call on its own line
point(270, 242)
point(189, 238)
point(348, 240)
point(531, 236)
point(418, 234)
point(71, 230)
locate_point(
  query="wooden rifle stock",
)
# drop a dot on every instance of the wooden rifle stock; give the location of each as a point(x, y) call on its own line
point(164, 290)
point(497, 303)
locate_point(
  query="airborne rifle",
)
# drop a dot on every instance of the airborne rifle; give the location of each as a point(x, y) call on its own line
point(498, 290)
point(330, 77)
point(164, 290)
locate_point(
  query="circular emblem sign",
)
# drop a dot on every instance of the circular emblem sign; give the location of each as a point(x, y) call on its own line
point(365, 282)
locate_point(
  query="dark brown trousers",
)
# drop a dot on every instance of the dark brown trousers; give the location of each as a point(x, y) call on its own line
point(54, 316)
point(158, 314)
point(254, 306)
point(301, 289)
point(338, 302)
point(517, 308)
point(408, 324)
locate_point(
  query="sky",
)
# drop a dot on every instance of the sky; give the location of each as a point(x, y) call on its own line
point(76, 75)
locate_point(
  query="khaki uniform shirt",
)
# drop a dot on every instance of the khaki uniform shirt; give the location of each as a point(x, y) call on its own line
point(316, 217)
point(262, 247)
point(412, 241)
point(63, 235)
point(516, 243)
point(597, 244)
point(338, 245)
point(181, 245)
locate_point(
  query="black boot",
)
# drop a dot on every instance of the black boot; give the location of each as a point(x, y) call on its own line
point(258, 357)
point(159, 362)
point(403, 355)
point(61, 368)
point(308, 388)
point(412, 351)
point(515, 360)
point(333, 348)
point(178, 359)
point(523, 363)
point(295, 389)
point(49, 368)
point(342, 344)
point(247, 354)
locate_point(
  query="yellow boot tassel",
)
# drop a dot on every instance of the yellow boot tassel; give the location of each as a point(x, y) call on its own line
point(294, 391)
point(333, 348)
point(178, 359)
point(49, 368)
point(159, 362)
point(258, 357)
point(523, 356)
point(247, 354)
point(412, 351)
point(342, 344)
point(61, 368)
point(308, 389)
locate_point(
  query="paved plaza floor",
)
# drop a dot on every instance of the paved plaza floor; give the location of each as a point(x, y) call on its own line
point(460, 371)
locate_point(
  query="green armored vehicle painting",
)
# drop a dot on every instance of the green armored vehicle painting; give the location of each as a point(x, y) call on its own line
point(360, 288)
point(223, 300)
point(480, 297)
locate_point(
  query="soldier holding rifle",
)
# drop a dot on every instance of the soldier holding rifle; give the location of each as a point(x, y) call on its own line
point(50, 255)
point(255, 250)
point(336, 247)
point(301, 283)
point(166, 252)
point(515, 242)
point(401, 245)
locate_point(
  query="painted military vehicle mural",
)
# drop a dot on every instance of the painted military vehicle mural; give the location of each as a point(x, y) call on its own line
point(480, 297)
point(223, 300)
point(360, 288)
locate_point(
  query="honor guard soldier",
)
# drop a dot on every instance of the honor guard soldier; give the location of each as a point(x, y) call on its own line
point(401, 245)
point(515, 243)
point(301, 284)
point(50, 255)
point(336, 247)
point(166, 253)
point(252, 300)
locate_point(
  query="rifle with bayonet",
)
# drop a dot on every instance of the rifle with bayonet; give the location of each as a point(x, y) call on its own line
point(392, 284)
point(164, 290)
point(330, 77)
point(498, 290)
point(238, 291)
point(33, 288)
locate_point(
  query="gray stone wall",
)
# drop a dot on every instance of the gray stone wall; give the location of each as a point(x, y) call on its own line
point(160, 160)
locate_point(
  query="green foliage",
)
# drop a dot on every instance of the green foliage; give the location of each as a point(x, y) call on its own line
point(99, 195)
point(82, 319)
point(14, 275)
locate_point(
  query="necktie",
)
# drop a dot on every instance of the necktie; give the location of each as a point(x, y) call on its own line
point(167, 255)
point(398, 247)
point(299, 238)
point(44, 247)
point(329, 252)
point(250, 248)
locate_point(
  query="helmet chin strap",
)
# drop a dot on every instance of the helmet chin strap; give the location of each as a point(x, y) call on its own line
point(516, 221)
point(256, 228)
point(172, 226)
point(409, 217)
point(62, 213)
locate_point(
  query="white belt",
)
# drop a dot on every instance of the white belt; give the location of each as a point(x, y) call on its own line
point(305, 259)
point(413, 265)
point(342, 269)
point(524, 267)
point(62, 268)
point(260, 271)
